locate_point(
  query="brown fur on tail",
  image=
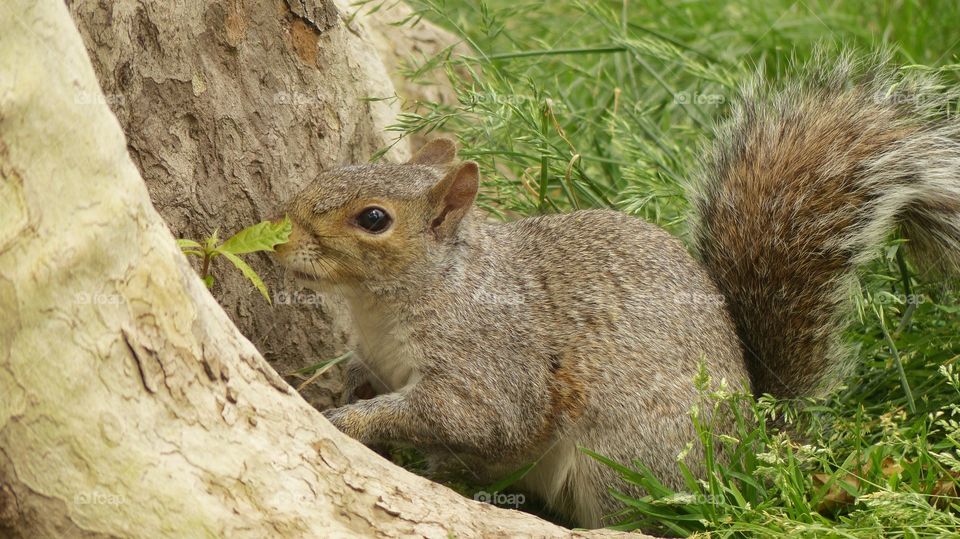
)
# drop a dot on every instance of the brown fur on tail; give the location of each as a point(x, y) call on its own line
point(802, 185)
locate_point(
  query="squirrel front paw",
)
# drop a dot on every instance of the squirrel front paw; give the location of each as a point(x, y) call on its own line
point(376, 420)
point(336, 416)
point(352, 420)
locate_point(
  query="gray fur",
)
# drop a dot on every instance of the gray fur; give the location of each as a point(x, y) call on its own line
point(804, 184)
point(507, 343)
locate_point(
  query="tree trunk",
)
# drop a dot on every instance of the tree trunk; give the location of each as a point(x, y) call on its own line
point(230, 107)
point(130, 405)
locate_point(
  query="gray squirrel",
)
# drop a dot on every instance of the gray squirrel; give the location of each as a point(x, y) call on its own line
point(497, 344)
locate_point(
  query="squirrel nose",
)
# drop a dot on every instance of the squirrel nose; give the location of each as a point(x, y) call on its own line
point(285, 249)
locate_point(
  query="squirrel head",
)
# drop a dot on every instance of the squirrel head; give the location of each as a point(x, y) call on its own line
point(381, 222)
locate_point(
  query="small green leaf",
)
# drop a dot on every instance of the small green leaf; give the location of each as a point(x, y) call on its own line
point(312, 369)
point(192, 252)
point(327, 365)
point(185, 244)
point(262, 236)
point(208, 280)
point(512, 478)
point(248, 272)
point(210, 244)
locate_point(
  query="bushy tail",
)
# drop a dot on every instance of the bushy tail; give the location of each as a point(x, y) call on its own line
point(803, 184)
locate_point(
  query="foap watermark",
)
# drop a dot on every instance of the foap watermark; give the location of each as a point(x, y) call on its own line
point(85, 298)
point(501, 499)
point(294, 98)
point(887, 298)
point(684, 498)
point(693, 98)
point(905, 98)
point(497, 298)
point(501, 99)
point(99, 498)
point(97, 98)
point(284, 297)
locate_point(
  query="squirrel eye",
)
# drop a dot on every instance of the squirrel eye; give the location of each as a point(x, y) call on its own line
point(373, 219)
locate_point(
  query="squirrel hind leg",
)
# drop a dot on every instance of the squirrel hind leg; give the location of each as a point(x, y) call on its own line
point(572, 484)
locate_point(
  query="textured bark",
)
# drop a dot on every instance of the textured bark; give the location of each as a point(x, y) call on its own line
point(230, 106)
point(131, 405)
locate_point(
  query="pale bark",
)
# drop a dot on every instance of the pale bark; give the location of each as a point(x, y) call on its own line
point(406, 42)
point(130, 405)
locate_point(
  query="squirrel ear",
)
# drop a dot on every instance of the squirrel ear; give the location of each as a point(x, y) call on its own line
point(453, 196)
point(439, 151)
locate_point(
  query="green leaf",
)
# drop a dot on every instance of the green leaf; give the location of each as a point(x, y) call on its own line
point(512, 478)
point(185, 244)
point(248, 272)
point(262, 236)
point(208, 280)
point(628, 474)
point(212, 241)
point(327, 365)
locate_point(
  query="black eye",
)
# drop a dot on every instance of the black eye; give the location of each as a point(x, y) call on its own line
point(373, 219)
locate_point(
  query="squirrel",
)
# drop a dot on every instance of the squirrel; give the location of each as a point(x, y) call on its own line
point(496, 344)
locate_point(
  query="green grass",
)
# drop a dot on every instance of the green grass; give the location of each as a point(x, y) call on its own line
point(607, 104)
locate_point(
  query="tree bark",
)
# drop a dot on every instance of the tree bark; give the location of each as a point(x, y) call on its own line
point(232, 106)
point(130, 405)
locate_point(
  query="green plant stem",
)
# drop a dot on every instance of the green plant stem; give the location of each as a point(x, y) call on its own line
point(899, 363)
point(548, 52)
point(206, 265)
point(544, 160)
point(911, 303)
